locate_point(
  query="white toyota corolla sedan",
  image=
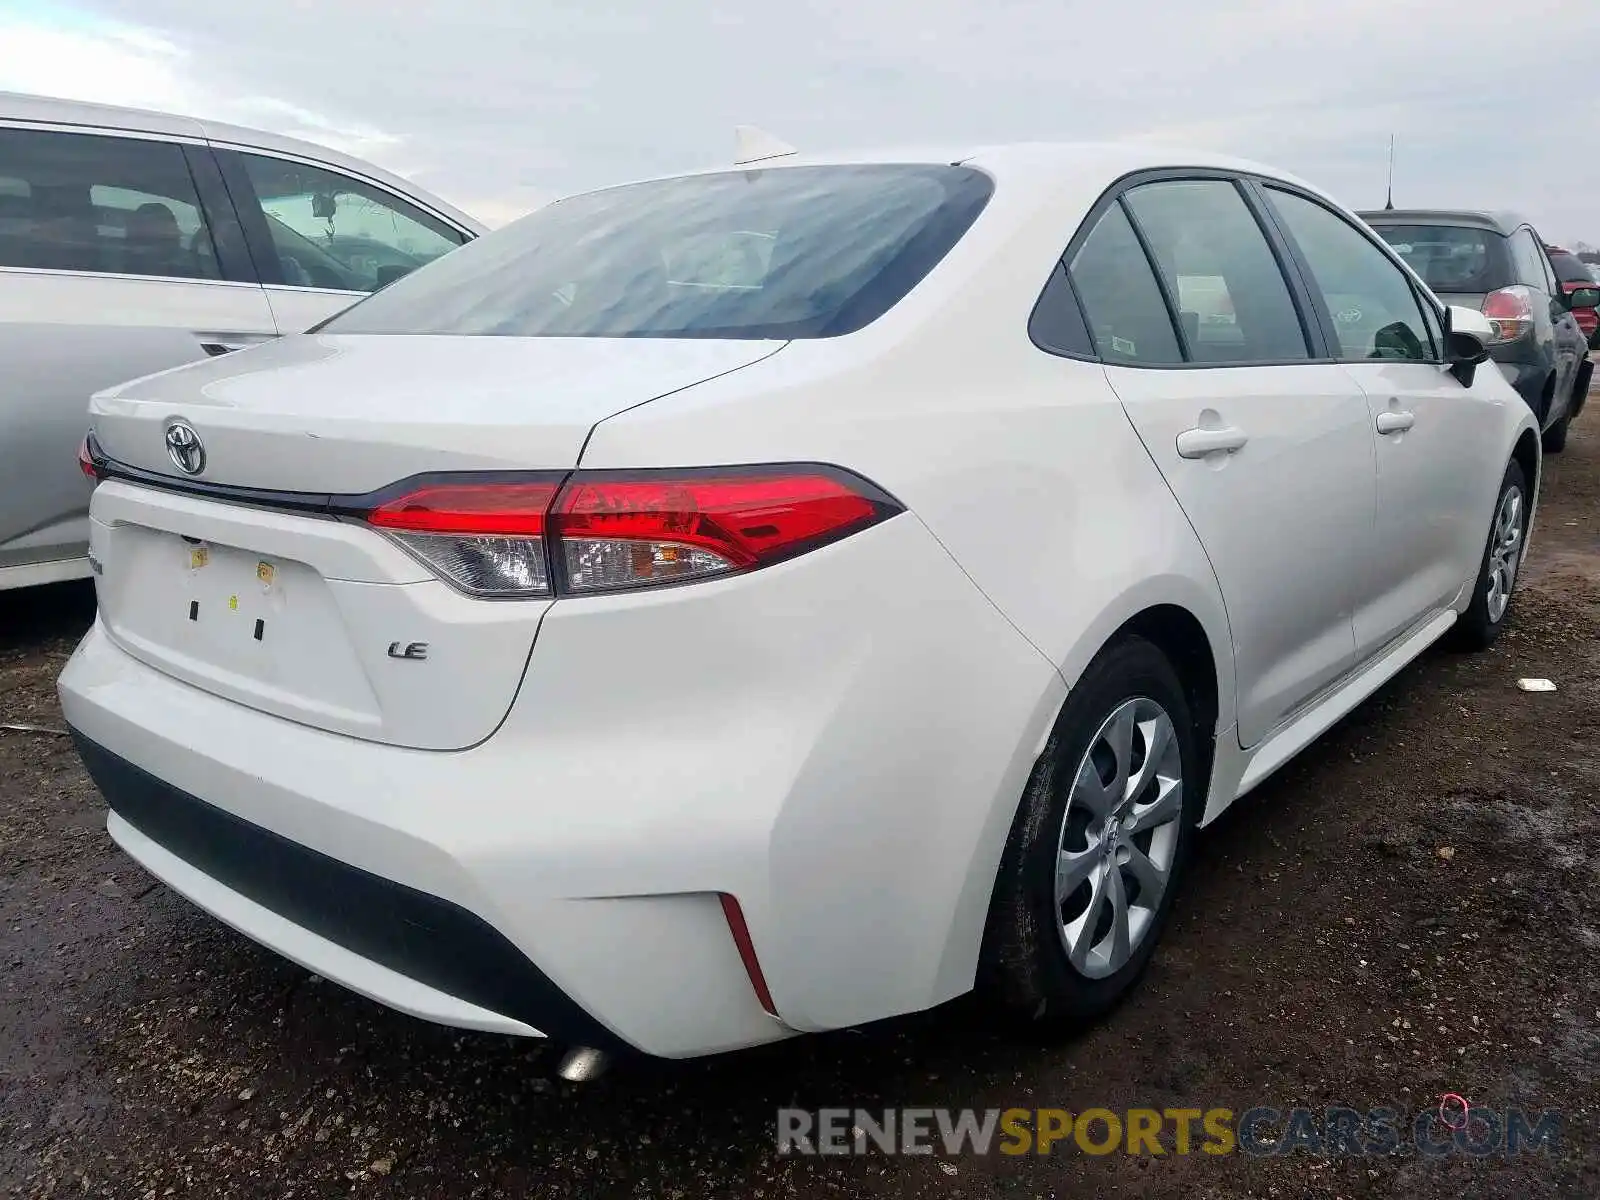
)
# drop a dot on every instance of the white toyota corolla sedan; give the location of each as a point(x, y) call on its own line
point(766, 600)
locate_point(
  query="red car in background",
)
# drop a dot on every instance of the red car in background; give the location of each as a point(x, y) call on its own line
point(1573, 273)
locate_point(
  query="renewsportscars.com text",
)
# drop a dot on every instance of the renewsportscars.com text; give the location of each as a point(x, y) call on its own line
point(1260, 1131)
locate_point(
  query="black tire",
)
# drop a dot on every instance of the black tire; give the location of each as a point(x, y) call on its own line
point(1554, 438)
point(1024, 969)
point(1476, 629)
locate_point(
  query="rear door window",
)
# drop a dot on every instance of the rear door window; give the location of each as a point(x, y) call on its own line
point(1528, 261)
point(85, 202)
point(1128, 318)
point(1233, 302)
point(1550, 284)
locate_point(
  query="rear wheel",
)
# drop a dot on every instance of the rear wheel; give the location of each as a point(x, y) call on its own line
point(1098, 844)
point(1502, 562)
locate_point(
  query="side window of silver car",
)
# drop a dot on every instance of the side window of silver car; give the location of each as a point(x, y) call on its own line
point(330, 230)
point(101, 204)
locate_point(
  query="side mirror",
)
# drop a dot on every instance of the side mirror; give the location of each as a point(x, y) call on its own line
point(1467, 337)
point(1584, 297)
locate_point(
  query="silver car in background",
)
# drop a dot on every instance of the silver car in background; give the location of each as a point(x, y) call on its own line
point(131, 242)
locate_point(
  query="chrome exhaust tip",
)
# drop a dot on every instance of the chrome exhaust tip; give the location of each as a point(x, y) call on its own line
point(583, 1063)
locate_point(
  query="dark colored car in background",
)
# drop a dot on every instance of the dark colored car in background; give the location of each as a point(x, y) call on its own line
point(1496, 262)
point(1572, 273)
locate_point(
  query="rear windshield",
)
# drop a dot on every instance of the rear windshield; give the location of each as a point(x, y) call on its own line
point(1571, 269)
point(1450, 258)
point(794, 252)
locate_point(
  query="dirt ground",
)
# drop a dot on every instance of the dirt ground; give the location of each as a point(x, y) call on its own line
point(1407, 910)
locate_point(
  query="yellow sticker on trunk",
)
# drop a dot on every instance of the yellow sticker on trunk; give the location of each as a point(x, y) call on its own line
point(198, 557)
point(233, 603)
point(265, 572)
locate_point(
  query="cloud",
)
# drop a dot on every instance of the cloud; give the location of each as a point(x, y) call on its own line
point(497, 210)
point(500, 104)
point(62, 52)
point(107, 63)
point(363, 141)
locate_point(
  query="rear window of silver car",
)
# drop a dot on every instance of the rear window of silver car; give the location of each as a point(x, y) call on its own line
point(791, 252)
point(1450, 258)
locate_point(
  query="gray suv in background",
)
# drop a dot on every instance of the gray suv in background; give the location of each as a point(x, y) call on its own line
point(1496, 262)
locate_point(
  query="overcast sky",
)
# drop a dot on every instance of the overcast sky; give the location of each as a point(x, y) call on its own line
point(499, 105)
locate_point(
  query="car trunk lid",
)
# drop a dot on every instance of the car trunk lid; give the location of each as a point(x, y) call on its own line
point(349, 414)
point(250, 579)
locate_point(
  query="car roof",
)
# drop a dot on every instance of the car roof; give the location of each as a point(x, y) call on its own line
point(1500, 221)
point(1076, 159)
point(1040, 156)
point(48, 110)
point(1049, 166)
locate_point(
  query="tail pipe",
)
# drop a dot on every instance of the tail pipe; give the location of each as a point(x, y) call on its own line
point(583, 1063)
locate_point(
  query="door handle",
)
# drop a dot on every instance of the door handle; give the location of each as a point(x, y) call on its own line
point(1197, 443)
point(1395, 421)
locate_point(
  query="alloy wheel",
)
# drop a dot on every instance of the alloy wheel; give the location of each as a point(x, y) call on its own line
point(1119, 838)
point(1505, 553)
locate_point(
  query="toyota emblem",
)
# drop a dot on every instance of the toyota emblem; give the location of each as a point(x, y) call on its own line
point(184, 447)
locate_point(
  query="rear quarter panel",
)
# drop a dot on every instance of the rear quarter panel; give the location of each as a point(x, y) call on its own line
point(1022, 464)
point(1025, 469)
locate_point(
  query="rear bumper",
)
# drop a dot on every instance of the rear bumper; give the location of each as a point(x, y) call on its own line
point(840, 751)
point(420, 953)
point(401, 874)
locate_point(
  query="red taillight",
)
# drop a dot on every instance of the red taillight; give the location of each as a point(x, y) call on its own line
point(505, 509)
point(633, 530)
point(1510, 313)
point(86, 462)
point(605, 531)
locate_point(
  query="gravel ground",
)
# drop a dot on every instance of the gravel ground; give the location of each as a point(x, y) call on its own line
point(1405, 911)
